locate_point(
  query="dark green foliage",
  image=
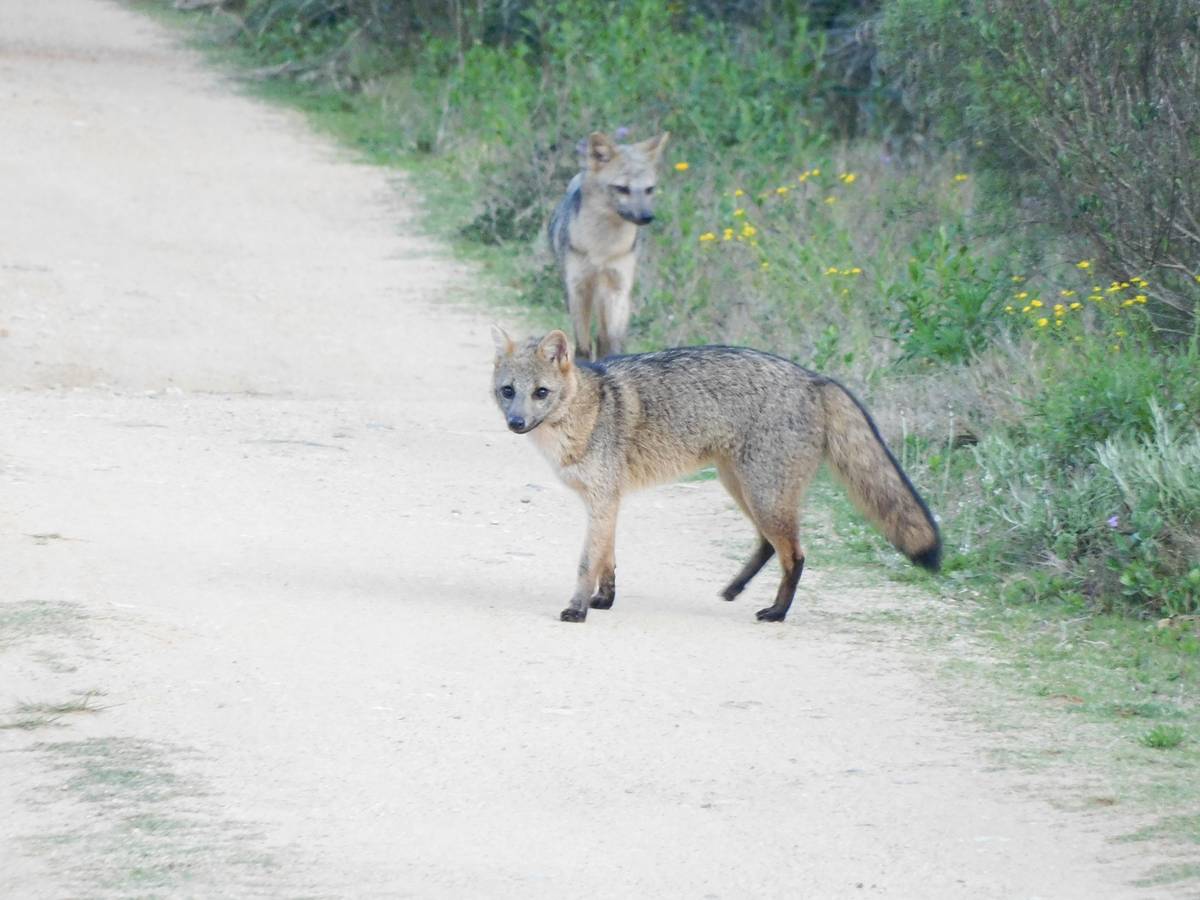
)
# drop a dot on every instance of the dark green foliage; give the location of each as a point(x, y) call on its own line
point(1088, 111)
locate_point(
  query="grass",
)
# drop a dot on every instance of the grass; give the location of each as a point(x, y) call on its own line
point(139, 824)
point(31, 716)
point(25, 619)
point(1163, 737)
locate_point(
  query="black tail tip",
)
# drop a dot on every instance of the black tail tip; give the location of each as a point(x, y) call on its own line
point(929, 558)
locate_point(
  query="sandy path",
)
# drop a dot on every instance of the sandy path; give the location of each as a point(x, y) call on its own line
point(254, 491)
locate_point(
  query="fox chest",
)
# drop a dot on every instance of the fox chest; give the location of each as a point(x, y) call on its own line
point(552, 445)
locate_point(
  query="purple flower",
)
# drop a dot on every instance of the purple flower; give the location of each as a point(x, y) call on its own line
point(1113, 522)
point(621, 133)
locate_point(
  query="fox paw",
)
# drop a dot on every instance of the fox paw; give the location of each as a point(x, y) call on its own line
point(571, 614)
point(602, 601)
point(771, 614)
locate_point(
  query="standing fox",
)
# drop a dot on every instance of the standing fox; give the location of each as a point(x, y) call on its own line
point(595, 238)
point(764, 422)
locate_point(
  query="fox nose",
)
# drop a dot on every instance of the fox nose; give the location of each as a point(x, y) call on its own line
point(516, 423)
point(645, 218)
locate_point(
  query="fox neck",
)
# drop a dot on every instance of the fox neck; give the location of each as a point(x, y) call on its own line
point(563, 437)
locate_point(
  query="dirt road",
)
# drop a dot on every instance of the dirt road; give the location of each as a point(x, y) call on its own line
point(279, 606)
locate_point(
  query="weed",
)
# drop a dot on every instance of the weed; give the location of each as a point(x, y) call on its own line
point(1163, 737)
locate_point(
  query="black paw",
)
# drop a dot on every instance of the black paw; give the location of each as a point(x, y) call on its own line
point(771, 614)
point(571, 614)
point(602, 601)
point(730, 593)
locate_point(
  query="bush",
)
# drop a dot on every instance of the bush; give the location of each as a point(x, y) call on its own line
point(1088, 110)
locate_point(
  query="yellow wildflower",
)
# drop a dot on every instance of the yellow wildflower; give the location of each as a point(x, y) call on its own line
point(831, 200)
point(1120, 334)
point(1076, 305)
point(681, 167)
point(1043, 322)
point(845, 291)
point(856, 271)
point(1017, 279)
point(1066, 293)
point(749, 230)
point(727, 234)
point(1125, 304)
point(764, 265)
point(739, 193)
point(1026, 308)
point(738, 213)
point(1008, 309)
point(802, 177)
point(1022, 295)
point(1059, 309)
point(1083, 264)
point(1095, 298)
point(1140, 298)
point(707, 236)
point(782, 190)
point(960, 177)
point(832, 270)
point(1035, 303)
point(848, 178)
point(817, 172)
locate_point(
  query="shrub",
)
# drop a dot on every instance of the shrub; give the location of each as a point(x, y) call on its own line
point(1089, 110)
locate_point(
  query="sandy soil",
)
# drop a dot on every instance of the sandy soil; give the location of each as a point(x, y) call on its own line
point(259, 515)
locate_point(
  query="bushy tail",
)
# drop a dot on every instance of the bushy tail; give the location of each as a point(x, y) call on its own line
point(876, 483)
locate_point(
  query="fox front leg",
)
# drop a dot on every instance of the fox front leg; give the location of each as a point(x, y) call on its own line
point(595, 566)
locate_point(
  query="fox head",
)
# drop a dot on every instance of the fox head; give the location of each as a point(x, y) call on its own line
point(534, 381)
point(625, 174)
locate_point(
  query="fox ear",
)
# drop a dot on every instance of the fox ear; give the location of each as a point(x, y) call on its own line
point(504, 344)
point(555, 348)
point(654, 146)
point(601, 149)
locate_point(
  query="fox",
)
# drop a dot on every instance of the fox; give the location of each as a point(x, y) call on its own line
point(595, 235)
point(764, 422)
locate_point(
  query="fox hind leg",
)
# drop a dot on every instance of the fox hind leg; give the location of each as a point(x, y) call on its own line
point(772, 501)
point(791, 558)
point(762, 554)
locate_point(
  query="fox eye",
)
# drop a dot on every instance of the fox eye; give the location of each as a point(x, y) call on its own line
point(622, 189)
point(507, 392)
point(541, 393)
point(650, 190)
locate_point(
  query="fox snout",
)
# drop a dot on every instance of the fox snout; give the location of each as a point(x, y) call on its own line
point(638, 217)
point(516, 424)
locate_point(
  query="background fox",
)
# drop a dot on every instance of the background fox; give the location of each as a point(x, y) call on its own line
point(764, 422)
point(595, 239)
